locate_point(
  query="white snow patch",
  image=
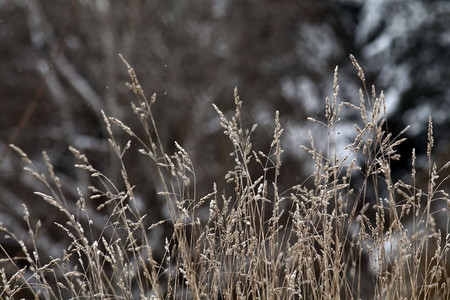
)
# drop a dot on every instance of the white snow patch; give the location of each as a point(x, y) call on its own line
point(301, 90)
point(418, 118)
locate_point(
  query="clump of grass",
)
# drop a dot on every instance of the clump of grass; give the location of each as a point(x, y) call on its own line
point(349, 231)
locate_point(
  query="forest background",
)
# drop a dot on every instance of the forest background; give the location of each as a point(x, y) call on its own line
point(59, 66)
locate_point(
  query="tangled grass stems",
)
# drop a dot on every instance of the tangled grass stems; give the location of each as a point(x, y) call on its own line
point(348, 232)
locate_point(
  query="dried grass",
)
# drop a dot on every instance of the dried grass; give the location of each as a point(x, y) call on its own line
point(348, 232)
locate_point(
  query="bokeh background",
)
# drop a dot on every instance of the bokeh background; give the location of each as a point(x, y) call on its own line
point(59, 66)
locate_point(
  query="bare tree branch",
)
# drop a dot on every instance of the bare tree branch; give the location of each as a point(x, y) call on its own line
point(42, 34)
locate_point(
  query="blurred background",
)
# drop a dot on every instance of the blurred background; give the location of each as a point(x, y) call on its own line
point(59, 66)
